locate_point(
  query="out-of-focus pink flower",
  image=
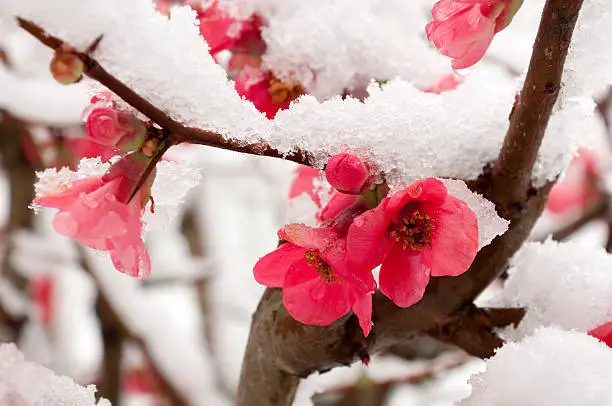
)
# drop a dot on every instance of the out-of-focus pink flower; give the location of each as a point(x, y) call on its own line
point(579, 188)
point(447, 83)
point(268, 94)
point(94, 211)
point(141, 380)
point(418, 232)
point(115, 128)
point(603, 333)
point(464, 29)
point(348, 174)
point(304, 183)
point(42, 295)
point(318, 285)
point(225, 32)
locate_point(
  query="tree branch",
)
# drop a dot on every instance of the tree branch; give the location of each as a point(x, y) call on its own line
point(179, 132)
point(512, 171)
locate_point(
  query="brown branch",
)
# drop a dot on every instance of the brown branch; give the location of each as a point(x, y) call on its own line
point(512, 171)
point(112, 318)
point(593, 212)
point(180, 133)
point(109, 386)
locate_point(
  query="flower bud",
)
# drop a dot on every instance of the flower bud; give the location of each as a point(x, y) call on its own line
point(348, 174)
point(67, 68)
point(115, 128)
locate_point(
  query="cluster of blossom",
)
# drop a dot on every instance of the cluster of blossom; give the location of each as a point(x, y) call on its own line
point(415, 233)
point(104, 212)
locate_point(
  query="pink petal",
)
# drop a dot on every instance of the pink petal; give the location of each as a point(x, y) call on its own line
point(270, 270)
point(454, 241)
point(403, 276)
point(430, 190)
point(603, 333)
point(338, 203)
point(365, 242)
point(308, 237)
point(130, 256)
point(363, 311)
point(70, 194)
point(311, 300)
point(304, 183)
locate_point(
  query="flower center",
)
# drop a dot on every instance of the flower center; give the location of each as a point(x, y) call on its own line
point(282, 92)
point(414, 230)
point(321, 267)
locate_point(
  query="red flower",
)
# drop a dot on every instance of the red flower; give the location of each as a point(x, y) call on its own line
point(348, 174)
point(94, 211)
point(580, 186)
point(318, 285)
point(447, 83)
point(304, 183)
point(115, 128)
point(268, 94)
point(42, 294)
point(418, 232)
point(603, 333)
point(464, 29)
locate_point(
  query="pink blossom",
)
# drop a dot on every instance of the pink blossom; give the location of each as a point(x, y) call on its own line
point(336, 205)
point(348, 174)
point(94, 211)
point(224, 32)
point(42, 295)
point(115, 128)
point(464, 29)
point(579, 188)
point(446, 83)
point(418, 232)
point(603, 333)
point(80, 148)
point(318, 285)
point(268, 94)
point(304, 183)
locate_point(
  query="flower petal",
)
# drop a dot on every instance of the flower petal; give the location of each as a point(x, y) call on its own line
point(308, 237)
point(366, 242)
point(403, 276)
point(338, 203)
point(428, 190)
point(454, 241)
point(311, 300)
point(363, 311)
point(271, 269)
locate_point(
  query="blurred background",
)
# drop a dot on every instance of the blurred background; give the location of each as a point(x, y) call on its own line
point(177, 337)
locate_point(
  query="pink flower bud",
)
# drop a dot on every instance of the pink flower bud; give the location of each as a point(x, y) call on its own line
point(348, 174)
point(67, 68)
point(115, 128)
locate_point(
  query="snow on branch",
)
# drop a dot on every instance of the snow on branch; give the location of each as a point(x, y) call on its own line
point(409, 133)
point(552, 367)
point(562, 284)
point(24, 383)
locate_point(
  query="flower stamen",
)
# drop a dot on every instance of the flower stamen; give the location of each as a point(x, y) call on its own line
point(414, 230)
point(321, 267)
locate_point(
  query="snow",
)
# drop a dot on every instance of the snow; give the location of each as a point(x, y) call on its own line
point(490, 225)
point(379, 41)
point(551, 368)
point(562, 284)
point(410, 134)
point(27, 89)
point(23, 383)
